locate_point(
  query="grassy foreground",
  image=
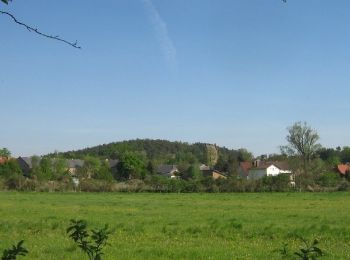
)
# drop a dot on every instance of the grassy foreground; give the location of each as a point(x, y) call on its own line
point(178, 226)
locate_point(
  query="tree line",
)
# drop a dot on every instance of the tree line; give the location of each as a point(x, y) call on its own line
point(313, 166)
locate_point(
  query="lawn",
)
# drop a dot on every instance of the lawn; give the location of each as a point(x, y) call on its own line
point(178, 226)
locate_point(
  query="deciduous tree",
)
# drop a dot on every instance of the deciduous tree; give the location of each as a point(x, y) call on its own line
point(5, 152)
point(302, 141)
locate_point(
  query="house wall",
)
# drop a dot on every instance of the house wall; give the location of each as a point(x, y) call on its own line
point(242, 174)
point(218, 176)
point(272, 171)
point(255, 174)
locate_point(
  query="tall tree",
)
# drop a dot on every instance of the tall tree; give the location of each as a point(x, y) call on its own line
point(212, 154)
point(59, 167)
point(91, 166)
point(130, 166)
point(302, 141)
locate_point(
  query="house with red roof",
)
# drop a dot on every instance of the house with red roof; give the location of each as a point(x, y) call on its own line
point(343, 169)
point(243, 169)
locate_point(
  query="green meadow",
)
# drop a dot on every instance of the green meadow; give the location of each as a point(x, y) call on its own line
point(178, 226)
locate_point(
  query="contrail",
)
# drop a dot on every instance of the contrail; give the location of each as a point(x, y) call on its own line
point(161, 32)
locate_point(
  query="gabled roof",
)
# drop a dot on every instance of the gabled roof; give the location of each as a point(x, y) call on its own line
point(204, 167)
point(343, 168)
point(166, 169)
point(28, 161)
point(245, 166)
point(209, 173)
point(75, 163)
point(280, 165)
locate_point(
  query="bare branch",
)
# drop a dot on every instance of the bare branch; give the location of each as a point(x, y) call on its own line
point(35, 30)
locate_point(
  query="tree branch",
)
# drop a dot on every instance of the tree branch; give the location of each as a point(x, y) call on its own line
point(35, 30)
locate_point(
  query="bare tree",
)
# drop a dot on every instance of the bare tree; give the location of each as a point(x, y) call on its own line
point(35, 30)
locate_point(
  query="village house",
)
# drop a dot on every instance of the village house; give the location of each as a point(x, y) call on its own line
point(204, 167)
point(258, 169)
point(25, 163)
point(243, 170)
point(169, 171)
point(214, 174)
point(261, 169)
point(73, 165)
point(343, 169)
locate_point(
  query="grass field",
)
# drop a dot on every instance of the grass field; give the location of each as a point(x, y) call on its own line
point(178, 226)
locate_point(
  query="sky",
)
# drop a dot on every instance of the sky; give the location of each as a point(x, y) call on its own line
point(232, 72)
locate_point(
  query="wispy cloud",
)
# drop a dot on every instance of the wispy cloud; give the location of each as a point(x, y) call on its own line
point(160, 28)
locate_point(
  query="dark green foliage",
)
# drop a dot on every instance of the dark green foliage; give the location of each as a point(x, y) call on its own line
point(91, 166)
point(192, 173)
point(329, 179)
point(280, 182)
point(335, 156)
point(9, 169)
point(131, 166)
point(59, 168)
point(91, 244)
point(104, 172)
point(5, 152)
point(16, 250)
point(309, 251)
point(159, 151)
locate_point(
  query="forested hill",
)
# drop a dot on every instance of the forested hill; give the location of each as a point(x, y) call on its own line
point(163, 151)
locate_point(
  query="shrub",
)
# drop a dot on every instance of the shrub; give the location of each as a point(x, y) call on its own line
point(309, 251)
point(16, 250)
point(91, 185)
point(14, 182)
point(343, 186)
point(329, 179)
point(91, 244)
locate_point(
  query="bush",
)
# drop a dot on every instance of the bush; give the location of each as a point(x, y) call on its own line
point(329, 179)
point(343, 186)
point(14, 182)
point(91, 244)
point(280, 182)
point(10, 168)
point(91, 185)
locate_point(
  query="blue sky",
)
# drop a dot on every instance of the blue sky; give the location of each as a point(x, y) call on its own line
point(231, 72)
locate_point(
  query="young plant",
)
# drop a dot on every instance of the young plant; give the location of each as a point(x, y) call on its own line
point(92, 244)
point(310, 251)
point(284, 251)
point(16, 250)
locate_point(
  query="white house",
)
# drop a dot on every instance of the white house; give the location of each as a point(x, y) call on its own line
point(267, 169)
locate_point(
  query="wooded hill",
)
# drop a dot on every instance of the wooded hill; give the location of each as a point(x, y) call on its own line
point(167, 152)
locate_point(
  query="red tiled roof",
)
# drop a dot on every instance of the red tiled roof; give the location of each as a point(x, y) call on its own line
point(343, 168)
